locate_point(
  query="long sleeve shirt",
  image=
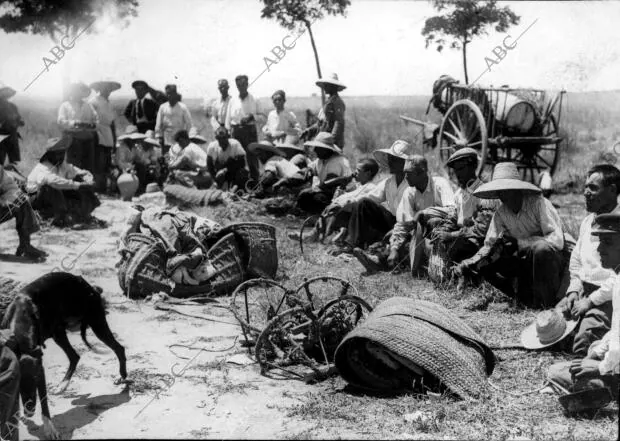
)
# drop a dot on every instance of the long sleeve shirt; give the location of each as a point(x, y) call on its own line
point(608, 348)
point(360, 192)
point(389, 194)
point(218, 110)
point(171, 119)
point(281, 124)
point(71, 113)
point(585, 265)
point(196, 156)
point(9, 191)
point(537, 219)
point(281, 167)
point(438, 193)
point(105, 112)
point(59, 177)
point(241, 108)
point(219, 157)
point(473, 215)
point(336, 166)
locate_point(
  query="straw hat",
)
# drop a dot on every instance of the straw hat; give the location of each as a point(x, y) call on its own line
point(153, 187)
point(465, 152)
point(131, 132)
point(6, 91)
point(324, 140)
point(57, 144)
point(288, 146)
point(608, 223)
point(505, 177)
point(79, 89)
point(105, 85)
point(266, 146)
point(195, 137)
point(549, 328)
point(150, 138)
point(423, 334)
point(400, 149)
point(331, 79)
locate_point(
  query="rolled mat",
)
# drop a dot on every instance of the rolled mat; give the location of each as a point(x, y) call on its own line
point(415, 334)
point(193, 196)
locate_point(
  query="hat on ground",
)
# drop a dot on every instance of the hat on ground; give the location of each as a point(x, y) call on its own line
point(153, 187)
point(195, 137)
point(399, 149)
point(505, 177)
point(6, 91)
point(608, 223)
point(139, 83)
point(324, 140)
point(131, 132)
point(265, 146)
point(105, 85)
point(331, 79)
point(79, 89)
point(464, 153)
point(57, 144)
point(549, 328)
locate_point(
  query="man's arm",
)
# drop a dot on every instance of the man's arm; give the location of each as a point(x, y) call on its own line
point(63, 117)
point(575, 266)
point(550, 225)
point(404, 221)
point(487, 254)
point(159, 132)
point(187, 119)
point(337, 114)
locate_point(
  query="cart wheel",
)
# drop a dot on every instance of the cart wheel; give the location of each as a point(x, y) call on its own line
point(319, 291)
point(255, 302)
point(463, 126)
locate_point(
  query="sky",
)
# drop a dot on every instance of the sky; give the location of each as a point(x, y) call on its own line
point(377, 49)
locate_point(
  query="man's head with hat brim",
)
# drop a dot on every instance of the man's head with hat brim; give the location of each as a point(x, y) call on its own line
point(323, 145)
point(331, 81)
point(195, 137)
point(464, 163)
point(265, 148)
point(393, 158)
point(6, 92)
point(289, 149)
point(55, 149)
point(505, 179)
point(105, 86)
point(140, 83)
point(78, 91)
point(607, 228)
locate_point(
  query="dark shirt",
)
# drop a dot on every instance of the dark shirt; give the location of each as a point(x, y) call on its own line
point(334, 119)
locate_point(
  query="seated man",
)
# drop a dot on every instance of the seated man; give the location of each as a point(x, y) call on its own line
point(9, 387)
point(330, 171)
point(525, 240)
point(187, 162)
point(226, 161)
point(601, 365)
point(295, 154)
point(460, 229)
point(589, 292)
point(15, 203)
point(126, 156)
point(150, 161)
point(60, 190)
point(275, 169)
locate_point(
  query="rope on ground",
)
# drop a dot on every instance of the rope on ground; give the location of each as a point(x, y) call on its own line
point(519, 394)
point(199, 348)
point(204, 317)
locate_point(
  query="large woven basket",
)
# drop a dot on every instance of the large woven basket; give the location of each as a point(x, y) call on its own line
point(226, 259)
point(257, 243)
point(424, 334)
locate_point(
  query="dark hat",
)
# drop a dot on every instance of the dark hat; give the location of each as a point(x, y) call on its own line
point(608, 223)
point(139, 83)
point(279, 92)
point(265, 146)
point(464, 153)
point(172, 88)
point(222, 82)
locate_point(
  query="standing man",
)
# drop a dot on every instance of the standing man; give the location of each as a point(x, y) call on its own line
point(172, 117)
point(331, 116)
point(589, 293)
point(282, 125)
point(241, 118)
point(142, 111)
point(78, 120)
point(106, 131)
point(217, 110)
point(10, 121)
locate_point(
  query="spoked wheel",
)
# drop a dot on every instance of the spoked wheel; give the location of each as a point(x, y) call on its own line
point(462, 126)
point(255, 302)
point(319, 291)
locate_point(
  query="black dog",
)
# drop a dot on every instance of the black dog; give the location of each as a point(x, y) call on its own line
point(44, 309)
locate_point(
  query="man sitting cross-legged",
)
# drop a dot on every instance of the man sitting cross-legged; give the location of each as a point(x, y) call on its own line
point(589, 293)
point(274, 168)
point(525, 240)
point(601, 365)
point(60, 190)
point(226, 161)
point(187, 162)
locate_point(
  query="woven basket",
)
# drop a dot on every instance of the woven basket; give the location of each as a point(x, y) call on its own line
point(257, 243)
point(226, 259)
point(9, 289)
point(426, 335)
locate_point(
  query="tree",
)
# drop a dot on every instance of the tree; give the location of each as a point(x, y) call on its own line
point(292, 14)
point(464, 20)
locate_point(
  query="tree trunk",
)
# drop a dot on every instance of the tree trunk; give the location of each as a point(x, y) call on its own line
point(465, 62)
point(316, 59)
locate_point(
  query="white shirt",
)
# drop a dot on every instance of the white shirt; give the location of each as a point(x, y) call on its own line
point(336, 165)
point(218, 109)
point(192, 152)
point(172, 119)
point(281, 167)
point(608, 348)
point(221, 156)
point(106, 114)
point(59, 177)
point(284, 122)
point(70, 113)
point(240, 108)
point(466, 203)
point(360, 192)
point(389, 194)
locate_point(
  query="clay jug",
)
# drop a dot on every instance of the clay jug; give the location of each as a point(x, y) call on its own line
point(127, 185)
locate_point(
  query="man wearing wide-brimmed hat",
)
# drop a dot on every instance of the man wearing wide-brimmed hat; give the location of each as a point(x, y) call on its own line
point(217, 109)
point(273, 165)
point(61, 190)
point(525, 240)
point(282, 125)
point(187, 162)
point(294, 153)
point(330, 170)
point(331, 116)
point(151, 159)
point(172, 117)
point(78, 120)
point(226, 161)
point(106, 130)
point(10, 121)
point(142, 111)
point(601, 366)
point(127, 156)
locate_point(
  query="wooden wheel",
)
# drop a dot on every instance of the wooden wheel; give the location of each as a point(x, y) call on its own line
point(463, 126)
point(319, 291)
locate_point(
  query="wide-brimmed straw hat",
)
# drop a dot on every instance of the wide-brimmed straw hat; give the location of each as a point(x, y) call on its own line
point(548, 329)
point(195, 137)
point(332, 78)
point(80, 89)
point(265, 146)
point(400, 149)
point(131, 132)
point(55, 145)
point(6, 91)
point(105, 85)
point(505, 177)
point(324, 140)
point(150, 138)
point(608, 223)
point(423, 335)
point(460, 154)
point(284, 146)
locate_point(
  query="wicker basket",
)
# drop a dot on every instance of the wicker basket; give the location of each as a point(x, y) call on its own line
point(257, 243)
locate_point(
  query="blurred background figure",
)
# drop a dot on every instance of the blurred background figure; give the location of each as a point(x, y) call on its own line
point(142, 111)
point(282, 125)
point(172, 117)
point(217, 110)
point(10, 121)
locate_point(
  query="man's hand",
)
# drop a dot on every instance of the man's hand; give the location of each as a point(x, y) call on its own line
point(339, 192)
point(392, 259)
point(584, 368)
point(221, 174)
point(581, 307)
point(566, 304)
point(461, 268)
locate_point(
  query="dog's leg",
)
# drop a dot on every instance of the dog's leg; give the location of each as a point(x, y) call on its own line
point(102, 331)
point(60, 337)
point(48, 426)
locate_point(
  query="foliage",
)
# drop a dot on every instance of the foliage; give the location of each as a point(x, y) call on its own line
point(290, 13)
point(51, 17)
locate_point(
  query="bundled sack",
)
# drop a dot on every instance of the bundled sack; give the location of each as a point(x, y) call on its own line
point(404, 340)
